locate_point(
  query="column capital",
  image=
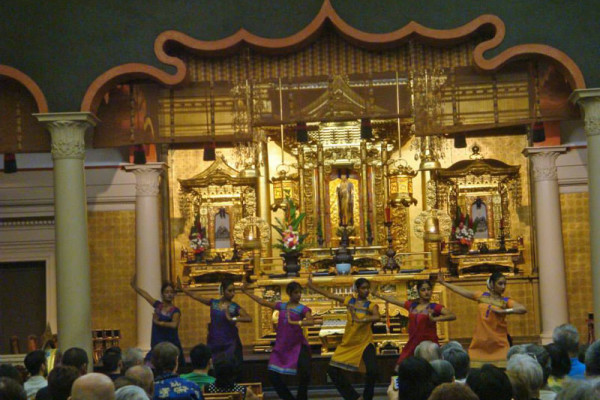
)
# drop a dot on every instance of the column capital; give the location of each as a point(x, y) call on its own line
point(544, 161)
point(146, 177)
point(589, 101)
point(67, 132)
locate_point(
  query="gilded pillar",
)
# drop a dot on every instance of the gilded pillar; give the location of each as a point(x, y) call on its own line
point(549, 239)
point(364, 190)
point(67, 131)
point(147, 243)
point(264, 194)
point(385, 158)
point(589, 102)
point(321, 172)
point(301, 181)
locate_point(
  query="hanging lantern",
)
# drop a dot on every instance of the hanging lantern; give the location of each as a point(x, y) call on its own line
point(139, 154)
point(210, 152)
point(538, 134)
point(366, 129)
point(10, 163)
point(460, 141)
point(301, 132)
point(284, 185)
point(400, 184)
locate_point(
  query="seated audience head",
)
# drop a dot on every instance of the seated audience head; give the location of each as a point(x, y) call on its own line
point(200, 357)
point(11, 389)
point(542, 357)
point(131, 392)
point(144, 376)
point(35, 363)
point(567, 337)
point(592, 360)
point(225, 372)
point(490, 383)
point(132, 357)
point(415, 379)
point(76, 357)
point(453, 344)
point(453, 391)
point(111, 362)
point(516, 349)
point(560, 361)
point(428, 350)
point(60, 381)
point(443, 372)
point(123, 381)
point(164, 358)
point(93, 386)
point(526, 376)
point(460, 362)
point(579, 389)
point(581, 352)
point(10, 371)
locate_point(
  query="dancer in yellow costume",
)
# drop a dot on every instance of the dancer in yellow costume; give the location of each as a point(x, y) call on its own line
point(356, 352)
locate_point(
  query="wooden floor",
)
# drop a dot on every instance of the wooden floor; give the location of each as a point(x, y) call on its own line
point(329, 393)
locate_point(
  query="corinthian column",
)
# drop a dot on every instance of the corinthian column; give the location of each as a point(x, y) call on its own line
point(147, 243)
point(589, 101)
point(549, 239)
point(67, 131)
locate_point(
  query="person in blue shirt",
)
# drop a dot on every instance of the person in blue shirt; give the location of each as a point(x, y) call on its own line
point(567, 337)
point(167, 384)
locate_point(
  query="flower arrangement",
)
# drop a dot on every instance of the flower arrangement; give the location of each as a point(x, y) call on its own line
point(198, 241)
point(463, 229)
point(291, 240)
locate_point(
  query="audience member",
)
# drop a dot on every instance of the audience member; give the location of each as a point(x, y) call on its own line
point(567, 337)
point(561, 365)
point(123, 381)
point(460, 362)
point(453, 344)
point(60, 381)
point(167, 384)
point(490, 383)
point(543, 358)
point(415, 379)
point(581, 353)
point(112, 363)
point(225, 372)
point(10, 389)
point(428, 350)
point(10, 371)
point(443, 372)
point(73, 357)
point(526, 376)
point(36, 365)
point(201, 362)
point(144, 376)
point(131, 357)
point(453, 391)
point(580, 390)
point(592, 360)
point(93, 386)
point(131, 392)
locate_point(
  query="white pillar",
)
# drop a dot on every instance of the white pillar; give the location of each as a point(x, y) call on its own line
point(67, 132)
point(147, 243)
point(589, 101)
point(549, 239)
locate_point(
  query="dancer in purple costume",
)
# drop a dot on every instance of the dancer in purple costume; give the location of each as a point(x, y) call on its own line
point(291, 353)
point(223, 336)
point(165, 321)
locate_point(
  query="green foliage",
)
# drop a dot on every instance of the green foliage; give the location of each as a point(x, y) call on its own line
point(292, 221)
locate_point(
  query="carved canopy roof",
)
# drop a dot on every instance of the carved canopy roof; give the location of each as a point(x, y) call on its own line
point(479, 167)
point(218, 173)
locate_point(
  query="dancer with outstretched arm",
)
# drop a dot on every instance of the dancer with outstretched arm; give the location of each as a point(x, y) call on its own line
point(423, 316)
point(223, 336)
point(356, 351)
point(291, 353)
point(490, 339)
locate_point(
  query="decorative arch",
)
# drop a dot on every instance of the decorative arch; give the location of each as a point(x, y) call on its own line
point(28, 83)
point(327, 13)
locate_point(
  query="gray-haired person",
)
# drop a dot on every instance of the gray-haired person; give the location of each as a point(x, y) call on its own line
point(567, 337)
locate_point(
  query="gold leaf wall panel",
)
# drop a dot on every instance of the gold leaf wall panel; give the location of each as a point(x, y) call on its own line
point(576, 238)
point(111, 237)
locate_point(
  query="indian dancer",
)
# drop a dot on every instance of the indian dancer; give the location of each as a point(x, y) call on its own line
point(356, 351)
point(422, 317)
point(291, 353)
point(490, 339)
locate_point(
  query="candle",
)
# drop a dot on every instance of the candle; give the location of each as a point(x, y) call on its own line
point(388, 217)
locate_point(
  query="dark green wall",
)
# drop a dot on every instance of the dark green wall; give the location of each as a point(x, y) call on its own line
point(64, 45)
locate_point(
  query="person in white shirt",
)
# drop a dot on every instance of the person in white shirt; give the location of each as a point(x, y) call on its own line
point(36, 364)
